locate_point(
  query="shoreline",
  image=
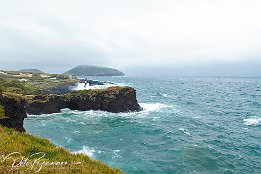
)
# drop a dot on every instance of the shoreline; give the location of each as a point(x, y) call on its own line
point(16, 106)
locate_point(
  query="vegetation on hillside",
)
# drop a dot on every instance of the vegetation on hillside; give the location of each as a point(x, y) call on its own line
point(18, 84)
point(106, 92)
point(1, 86)
point(2, 112)
point(87, 70)
point(17, 87)
point(56, 159)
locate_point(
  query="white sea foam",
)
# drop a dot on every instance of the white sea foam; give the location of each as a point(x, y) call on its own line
point(69, 120)
point(169, 132)
point(165, 95)
point(152, 107)
point(116, 151)
point(115, 154)
point(184, 131)
point(252, 121)
point(147, 108)
point(82, 86)
point(155, 118)
point(43, 115)
point(86, 151)
point(68, 139)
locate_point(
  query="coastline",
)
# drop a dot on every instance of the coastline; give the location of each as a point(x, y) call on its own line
point(17, 106)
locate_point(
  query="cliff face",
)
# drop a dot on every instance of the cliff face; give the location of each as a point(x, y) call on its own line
point(114, 99)
point(15, 113)
point(46, 104)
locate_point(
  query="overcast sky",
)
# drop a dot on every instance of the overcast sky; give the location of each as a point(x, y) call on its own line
point(179, 37)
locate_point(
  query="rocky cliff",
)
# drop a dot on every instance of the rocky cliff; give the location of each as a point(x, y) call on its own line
point(14, 112)
point(114, 99)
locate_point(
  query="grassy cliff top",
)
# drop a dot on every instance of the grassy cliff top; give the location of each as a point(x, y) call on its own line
point(39, 151)
point(88, 70)
point(112, 89)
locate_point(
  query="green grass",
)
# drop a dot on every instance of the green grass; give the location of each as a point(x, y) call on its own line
point(113, 89)
point(27, 145)
point(2, 112)
point(35, 86)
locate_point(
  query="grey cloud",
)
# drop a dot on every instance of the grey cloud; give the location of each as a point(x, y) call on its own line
point(54, 35)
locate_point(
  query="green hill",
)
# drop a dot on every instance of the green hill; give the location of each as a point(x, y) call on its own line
point(87, 70)
point(43, 156)
point(31, 70)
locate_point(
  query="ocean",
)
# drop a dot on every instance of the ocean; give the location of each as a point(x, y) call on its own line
point(188, 125)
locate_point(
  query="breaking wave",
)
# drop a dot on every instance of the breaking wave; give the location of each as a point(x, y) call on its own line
point(252, 121)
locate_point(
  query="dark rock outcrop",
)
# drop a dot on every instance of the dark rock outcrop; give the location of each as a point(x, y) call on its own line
point(60, 89)
point(114, 99)
point(14, 112)
point(45, 105)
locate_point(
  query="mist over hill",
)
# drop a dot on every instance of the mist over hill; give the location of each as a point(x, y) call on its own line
point(31, 70)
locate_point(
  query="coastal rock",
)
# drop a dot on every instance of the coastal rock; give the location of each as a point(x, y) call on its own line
point(59, 89)
point(14, 112)
point(46, 104)
point(113, 99)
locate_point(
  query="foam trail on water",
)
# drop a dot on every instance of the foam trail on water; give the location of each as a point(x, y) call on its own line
point(165, 95)
point(252, 121)
point(184, 131)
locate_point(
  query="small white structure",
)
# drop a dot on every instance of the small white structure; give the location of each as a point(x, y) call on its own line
point(45, 76)
point(24, 75)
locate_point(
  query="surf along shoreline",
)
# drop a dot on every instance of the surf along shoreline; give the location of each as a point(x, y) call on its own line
point(16, 106)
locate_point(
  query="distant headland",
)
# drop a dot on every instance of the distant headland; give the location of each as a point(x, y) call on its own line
point(88, 70)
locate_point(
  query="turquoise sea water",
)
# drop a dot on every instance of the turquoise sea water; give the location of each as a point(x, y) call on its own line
point(189, 125)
